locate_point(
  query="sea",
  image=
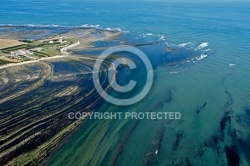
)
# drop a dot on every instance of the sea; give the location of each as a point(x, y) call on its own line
point(212, 91)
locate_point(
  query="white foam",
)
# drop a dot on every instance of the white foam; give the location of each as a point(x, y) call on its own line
point(118, 29)
point(114, 29)
point(231, 65)
point(201, 57)
point(207, 50)
point(182, 44)
point(108, 29)
point(30, 25)
point(90, 26)
point(55, 25)
point(149, 34)
point(203, 45)
point(162, 37)
point(42, 26)
point(173, 72)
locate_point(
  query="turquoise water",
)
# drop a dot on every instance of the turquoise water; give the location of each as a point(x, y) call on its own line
point(217, 134)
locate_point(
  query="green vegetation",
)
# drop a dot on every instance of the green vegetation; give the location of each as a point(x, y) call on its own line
point(50, 50)
point(7, 50)
point(22, 46)
point(70, 40)
point(3, 62)
point(40, 54)
point(26, 41)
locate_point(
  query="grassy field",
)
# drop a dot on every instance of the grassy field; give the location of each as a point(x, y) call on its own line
point(50, 50)
point(3, 62)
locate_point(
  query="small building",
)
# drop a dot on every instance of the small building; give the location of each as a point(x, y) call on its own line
point(60, 39)
point(21, 52)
